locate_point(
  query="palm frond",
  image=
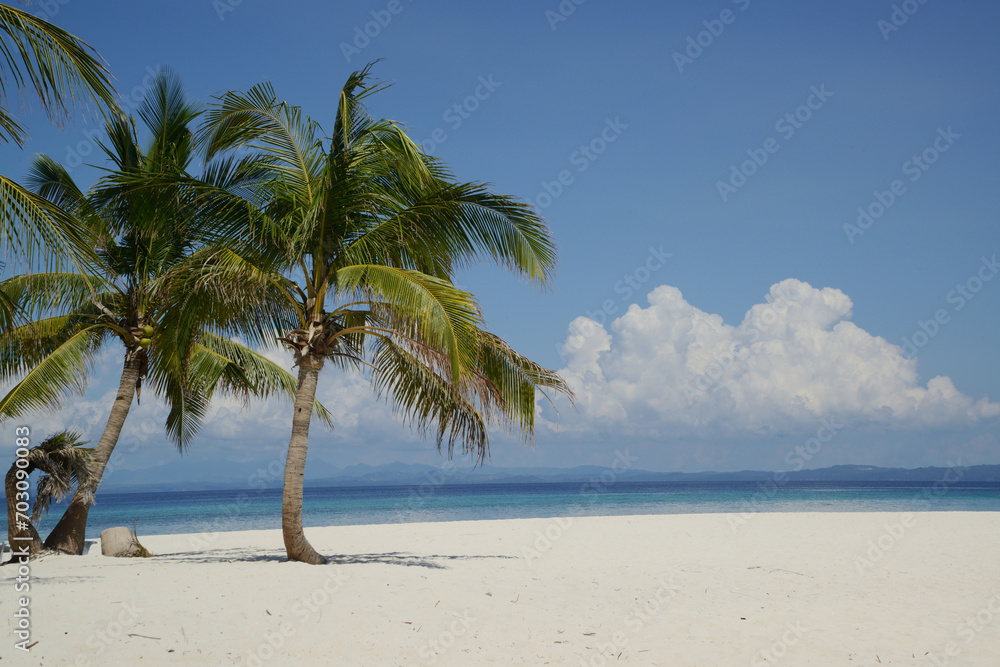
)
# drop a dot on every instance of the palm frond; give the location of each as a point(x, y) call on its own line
point(428, 309)
point(514, 381)
point(59, 68)
point(51, 180)
point(257, 120)
point(425, 399)
point(122, 146)
point(168, 113)
point(223, 290)
point(35, 295)
point(63, 370)
point(39, 233)
point(185, 398)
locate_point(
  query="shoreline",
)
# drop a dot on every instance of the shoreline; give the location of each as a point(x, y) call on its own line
point(734, 519)
point(226, 511)
point(817, 588)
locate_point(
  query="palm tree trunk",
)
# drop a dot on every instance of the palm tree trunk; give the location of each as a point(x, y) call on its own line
point(68, 535)
point(296, 544)
point(16, 535)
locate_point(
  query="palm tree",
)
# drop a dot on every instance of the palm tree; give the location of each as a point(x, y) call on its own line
point(62, 72)
point(357, 237)
point(62, 459)
point(146, 238)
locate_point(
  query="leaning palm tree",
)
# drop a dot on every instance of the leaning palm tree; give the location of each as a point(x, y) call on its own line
point(63, 72)
point(356, 237)
point(62, 460)
point(145, 239)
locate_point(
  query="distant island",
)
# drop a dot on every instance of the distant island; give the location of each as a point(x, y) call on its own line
point(247, 476)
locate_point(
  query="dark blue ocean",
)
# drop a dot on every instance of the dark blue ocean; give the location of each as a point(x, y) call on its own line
point(216, 511)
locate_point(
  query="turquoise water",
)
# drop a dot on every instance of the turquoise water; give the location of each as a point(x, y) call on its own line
point(217, 511)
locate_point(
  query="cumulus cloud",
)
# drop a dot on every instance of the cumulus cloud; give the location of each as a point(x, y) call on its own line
point(671, 369)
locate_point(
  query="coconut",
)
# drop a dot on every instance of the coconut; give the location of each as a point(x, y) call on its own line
point(148, 330)
point(144, 343)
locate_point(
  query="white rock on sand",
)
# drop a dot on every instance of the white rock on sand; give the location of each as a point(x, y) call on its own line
point(677, 590)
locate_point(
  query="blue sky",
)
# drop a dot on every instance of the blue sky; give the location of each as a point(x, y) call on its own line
point(691, 159)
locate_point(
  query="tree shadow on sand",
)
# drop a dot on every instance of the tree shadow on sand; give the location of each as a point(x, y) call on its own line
point(399, 558)
point(244, 555)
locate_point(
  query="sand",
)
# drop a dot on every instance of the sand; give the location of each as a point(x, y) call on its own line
point(678, 590)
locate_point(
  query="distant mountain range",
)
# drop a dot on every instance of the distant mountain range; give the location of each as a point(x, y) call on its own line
point(228, 475)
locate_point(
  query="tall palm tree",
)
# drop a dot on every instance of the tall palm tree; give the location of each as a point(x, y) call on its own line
point(62, 72)
point(146, 238)
point(357, 237)
point(62, 459)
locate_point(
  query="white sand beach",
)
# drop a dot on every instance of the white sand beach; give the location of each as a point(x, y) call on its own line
point(678, 590)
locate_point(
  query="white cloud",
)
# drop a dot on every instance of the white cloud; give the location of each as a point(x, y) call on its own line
point(671, 369)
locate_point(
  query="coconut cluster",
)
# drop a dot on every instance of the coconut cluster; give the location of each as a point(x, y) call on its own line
point(143, 335)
